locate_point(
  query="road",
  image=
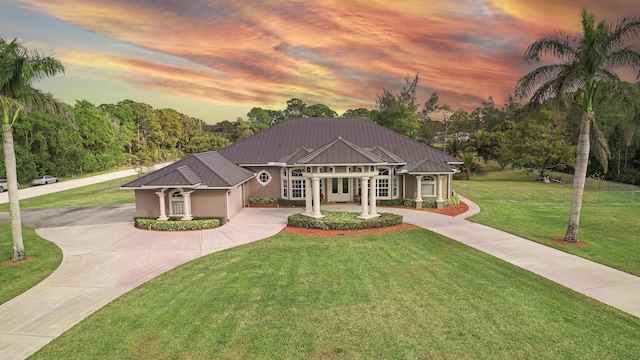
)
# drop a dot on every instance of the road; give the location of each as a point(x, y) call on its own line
point(71, 184)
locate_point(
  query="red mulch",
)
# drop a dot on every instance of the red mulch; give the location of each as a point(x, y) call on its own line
point(319, 232)
point(562, 241)
point(9, 262)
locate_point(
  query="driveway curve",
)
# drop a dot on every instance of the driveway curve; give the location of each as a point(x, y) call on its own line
point(103, 261)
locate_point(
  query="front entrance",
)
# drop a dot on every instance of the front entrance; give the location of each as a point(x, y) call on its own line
point(340, 190)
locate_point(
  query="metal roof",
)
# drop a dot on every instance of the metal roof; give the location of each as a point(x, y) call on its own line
point(428, 166)
point(341, 151)
point(206, 169)
point(288, 137)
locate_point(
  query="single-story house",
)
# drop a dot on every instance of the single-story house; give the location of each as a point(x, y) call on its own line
point(318, 160)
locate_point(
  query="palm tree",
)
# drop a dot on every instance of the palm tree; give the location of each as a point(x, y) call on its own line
point(19, 68)
point(586, 73)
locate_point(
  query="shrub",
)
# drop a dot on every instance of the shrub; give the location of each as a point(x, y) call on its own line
point(285, 202)
point(454, 200)
point(393, 202)
point(343, 221)
point(263, 200)
point(172, 224)
point(409, 202)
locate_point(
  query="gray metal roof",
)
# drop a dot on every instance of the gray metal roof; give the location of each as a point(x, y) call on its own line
point(428, 166)
point(209, 169)
point(290, 136)
point(390, 157)
point(341, 151)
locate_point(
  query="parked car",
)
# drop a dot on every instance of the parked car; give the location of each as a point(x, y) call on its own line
point(4, 186)
point(44, 180)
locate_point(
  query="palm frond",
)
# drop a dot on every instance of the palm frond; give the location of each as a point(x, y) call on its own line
point(626, 57)
point(560, 45)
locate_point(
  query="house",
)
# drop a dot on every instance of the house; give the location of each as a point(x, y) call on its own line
point(318, 160)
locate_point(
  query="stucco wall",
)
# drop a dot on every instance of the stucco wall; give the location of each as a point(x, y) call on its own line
point(272, 189)
point(209, 203)
point(147, 203)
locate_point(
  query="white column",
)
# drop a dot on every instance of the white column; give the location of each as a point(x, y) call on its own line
point(418, 191)
point(364, 198)
point(316, 197)
point(372, 196)
point(440, 200)
point(307, 196)
point(161, 199)
point(186, 196)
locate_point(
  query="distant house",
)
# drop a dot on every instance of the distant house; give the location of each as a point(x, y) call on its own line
point(318, 160)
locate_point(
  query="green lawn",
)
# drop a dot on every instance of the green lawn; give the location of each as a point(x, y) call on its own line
point(105, 193)
point(540, 212)
point(412, 294)
point(16, 279)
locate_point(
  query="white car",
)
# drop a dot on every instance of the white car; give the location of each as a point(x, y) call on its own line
point(44, 180)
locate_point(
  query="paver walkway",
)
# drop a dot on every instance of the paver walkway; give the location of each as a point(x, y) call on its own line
point(102, 262)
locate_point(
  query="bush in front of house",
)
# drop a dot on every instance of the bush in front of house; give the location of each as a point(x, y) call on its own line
point(263, 200)
point(292, 203)
point(172, 224)
point(335, 220)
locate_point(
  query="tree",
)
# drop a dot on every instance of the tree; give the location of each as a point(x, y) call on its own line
point(19, 68)
point(537, 147)
point(398, 112)
point(585, 74)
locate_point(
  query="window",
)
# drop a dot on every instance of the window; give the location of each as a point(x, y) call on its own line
point(382, 183)
point(428, 186)
point(296, 172)
point(382, 187)
point(285, 193)
point(264, 177)
point(176, 204)
point(395, 186)
point(298, 188)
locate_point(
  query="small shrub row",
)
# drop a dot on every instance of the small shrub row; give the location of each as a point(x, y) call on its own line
point(454, 200)
point(393, 202)
point(273, 201)
point(353, 223)
point(263, 200)
point(172, 224)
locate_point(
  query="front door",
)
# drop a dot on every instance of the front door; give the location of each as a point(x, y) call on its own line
point(340, 190)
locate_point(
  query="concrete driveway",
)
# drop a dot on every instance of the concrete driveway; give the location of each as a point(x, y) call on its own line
point(51, 218)
point(103, 261)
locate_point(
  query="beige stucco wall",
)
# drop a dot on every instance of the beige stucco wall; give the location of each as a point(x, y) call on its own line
point(203, 202)
point(147, 203)
point(272, 189)
point(209, 202)
point(410, 183)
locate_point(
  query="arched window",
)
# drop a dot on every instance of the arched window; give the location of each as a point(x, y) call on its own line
point(428, 186)
point(176, 204)
point(382, 182)
point(298, 185)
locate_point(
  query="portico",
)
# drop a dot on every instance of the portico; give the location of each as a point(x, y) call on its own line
point(367, 186)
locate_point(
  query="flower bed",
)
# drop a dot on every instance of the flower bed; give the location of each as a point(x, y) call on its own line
point(336, 220)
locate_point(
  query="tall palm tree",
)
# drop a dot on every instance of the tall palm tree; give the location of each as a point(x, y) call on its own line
point(586, 74)
point(19, 68)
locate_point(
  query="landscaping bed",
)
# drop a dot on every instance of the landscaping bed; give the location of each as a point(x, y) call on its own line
point(341, 220)
point(147, 223)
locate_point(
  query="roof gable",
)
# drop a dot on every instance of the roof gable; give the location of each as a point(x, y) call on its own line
point(341, 151)
point(208, 169)
point(428, 166)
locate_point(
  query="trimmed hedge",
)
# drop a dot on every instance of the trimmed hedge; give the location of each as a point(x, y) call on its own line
point(279, 201)
point(263, 200)
point(343, 223)
point(172, 224)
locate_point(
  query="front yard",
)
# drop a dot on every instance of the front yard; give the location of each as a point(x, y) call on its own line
point(410, 294)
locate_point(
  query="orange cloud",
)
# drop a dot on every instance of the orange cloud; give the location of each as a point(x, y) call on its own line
point(337, 52)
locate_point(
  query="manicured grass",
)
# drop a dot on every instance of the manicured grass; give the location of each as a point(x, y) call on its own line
point(16, 279)
point(540, 212)
point(105, 193)
point(610, 230)
point(410, 295)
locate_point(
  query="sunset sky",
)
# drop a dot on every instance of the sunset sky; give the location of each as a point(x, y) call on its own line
point(216, 59)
